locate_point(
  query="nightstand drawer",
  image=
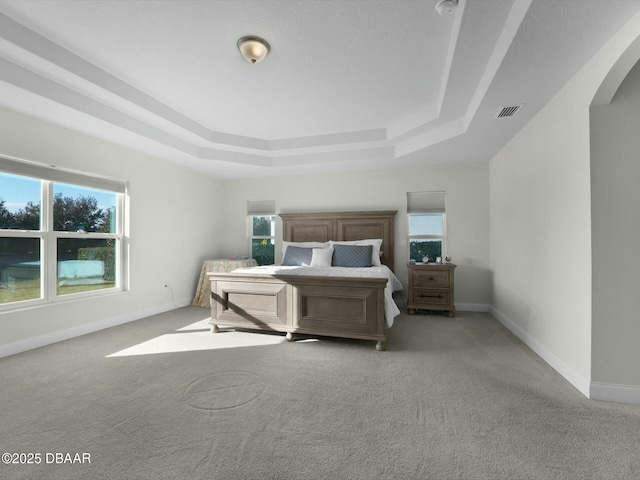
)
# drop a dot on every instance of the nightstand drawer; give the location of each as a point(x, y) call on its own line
point(423, 296)
point(431, 279)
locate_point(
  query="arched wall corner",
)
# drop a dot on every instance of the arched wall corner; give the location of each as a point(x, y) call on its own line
point(613, 147)
point(617, 74)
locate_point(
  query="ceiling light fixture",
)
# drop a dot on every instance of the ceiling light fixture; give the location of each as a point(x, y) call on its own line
point(446, 7)
point(253, 49)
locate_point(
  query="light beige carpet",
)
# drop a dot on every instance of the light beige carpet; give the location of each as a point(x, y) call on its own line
point(162, 398)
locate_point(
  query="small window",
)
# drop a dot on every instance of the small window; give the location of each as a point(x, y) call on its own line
point(262, 230)
point(263, 240)
point(426, 218)
point(426, 236)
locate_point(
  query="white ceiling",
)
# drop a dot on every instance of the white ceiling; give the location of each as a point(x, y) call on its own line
point(348, 83)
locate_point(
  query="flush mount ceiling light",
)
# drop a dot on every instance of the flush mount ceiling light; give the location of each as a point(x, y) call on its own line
point(446, 7)
point(253, 49)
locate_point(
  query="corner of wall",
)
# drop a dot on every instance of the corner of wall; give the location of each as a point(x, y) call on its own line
point(574, 378)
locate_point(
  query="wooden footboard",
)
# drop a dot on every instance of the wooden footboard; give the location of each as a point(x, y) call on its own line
point(332, 306)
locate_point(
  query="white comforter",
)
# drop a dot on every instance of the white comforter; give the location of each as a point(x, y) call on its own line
point(390, 308)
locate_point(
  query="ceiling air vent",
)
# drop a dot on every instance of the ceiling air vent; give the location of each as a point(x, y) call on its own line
point(508, 111)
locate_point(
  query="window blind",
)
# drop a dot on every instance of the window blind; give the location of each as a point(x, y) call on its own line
point(61, 175)
point(261, 207)
point(425, 202)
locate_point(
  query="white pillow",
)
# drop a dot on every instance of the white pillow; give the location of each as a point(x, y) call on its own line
point(376, 243)
point(303, 245)
point(321, 257)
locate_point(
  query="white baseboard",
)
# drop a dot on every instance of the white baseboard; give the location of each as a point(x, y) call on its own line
point(60, 335)
point(593, 390)
point(582, 384)
point(473, 307)
point(615, 393)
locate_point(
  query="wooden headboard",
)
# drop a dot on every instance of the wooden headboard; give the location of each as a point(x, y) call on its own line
point(342, 226)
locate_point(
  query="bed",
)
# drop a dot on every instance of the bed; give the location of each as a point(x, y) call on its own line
point(317, 300)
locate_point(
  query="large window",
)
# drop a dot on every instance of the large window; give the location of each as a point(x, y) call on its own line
point(58, 239)
point(262, 231)
point(426, 218)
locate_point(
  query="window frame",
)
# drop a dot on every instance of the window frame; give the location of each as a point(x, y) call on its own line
point(48, 237)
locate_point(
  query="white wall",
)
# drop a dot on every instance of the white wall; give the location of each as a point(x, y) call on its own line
point(174, 225)
point(531, 259)
point(615, 181)
point(467, 205)
point(541, 223)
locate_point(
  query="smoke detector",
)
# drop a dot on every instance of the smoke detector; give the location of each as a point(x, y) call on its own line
point(446, 7)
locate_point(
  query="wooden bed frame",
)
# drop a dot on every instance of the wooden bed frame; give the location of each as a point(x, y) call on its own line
point(332, 306)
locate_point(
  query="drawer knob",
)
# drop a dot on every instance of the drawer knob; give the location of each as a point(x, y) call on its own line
point(422, 295)
point(431, 278)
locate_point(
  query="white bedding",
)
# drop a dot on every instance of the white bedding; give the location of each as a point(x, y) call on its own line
point(390, 308)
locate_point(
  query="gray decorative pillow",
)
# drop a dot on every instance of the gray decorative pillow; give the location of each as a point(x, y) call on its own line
point(354, 256)
point(297, 256)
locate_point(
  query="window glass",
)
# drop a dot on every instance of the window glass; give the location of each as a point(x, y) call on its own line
point(425, 224)
point(419, 248)
point(264, 225)
point(81, 209)
point(19, 269)
point(426, 236)
point(85, 264)
point(263, 228)
point(19, 202)
point(263, 251)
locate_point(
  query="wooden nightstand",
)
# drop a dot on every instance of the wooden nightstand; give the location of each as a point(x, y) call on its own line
point(431, 287)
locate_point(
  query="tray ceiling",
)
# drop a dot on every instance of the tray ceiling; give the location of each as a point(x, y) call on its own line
point(348, 84)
